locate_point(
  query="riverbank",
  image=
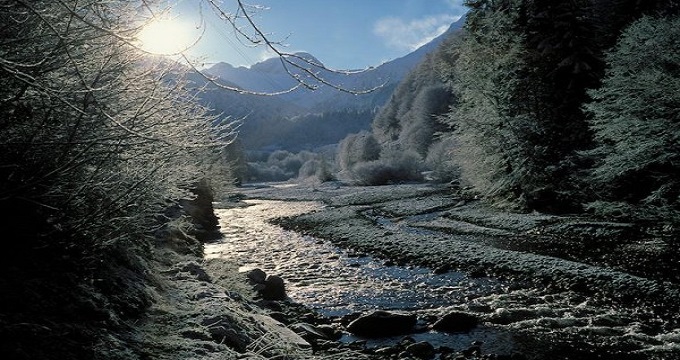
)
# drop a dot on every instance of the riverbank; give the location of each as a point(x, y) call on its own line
point(528, 286)
point(206, 309)
point(579, 287)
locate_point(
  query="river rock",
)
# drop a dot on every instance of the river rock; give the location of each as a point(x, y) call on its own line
point(456, 321)
point(382, 324)
point(313, 333)
point(274, 288)
point(421, 350)
point(256, 276)
point(277, 329)
point(330, 331)
point(221, 329)
point(269, 287)
point(189, 269)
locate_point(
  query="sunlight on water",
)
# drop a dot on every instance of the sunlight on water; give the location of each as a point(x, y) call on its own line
point(335, 282)
point(326, 278)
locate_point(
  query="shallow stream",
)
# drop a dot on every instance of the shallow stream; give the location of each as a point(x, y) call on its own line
point(335, 282)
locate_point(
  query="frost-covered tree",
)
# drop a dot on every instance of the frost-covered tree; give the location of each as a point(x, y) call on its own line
point(441, 160)
point(317, 170)
point(408, 120)
point(97, 140)
point(520, 76)
point(357, 148)
point(486, 75)
point(636, 120)
point(406, 126)
point(419, 124)
point(394, 166)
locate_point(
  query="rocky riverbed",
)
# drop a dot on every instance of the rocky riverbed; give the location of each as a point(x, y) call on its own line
point(347, 288)
point(536, 286)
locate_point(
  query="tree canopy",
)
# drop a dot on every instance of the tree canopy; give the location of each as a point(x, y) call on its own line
point(636, 120)
point(97, 141)
point(558, 106)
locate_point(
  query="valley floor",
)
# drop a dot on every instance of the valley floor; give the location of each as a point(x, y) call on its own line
point(577, 287)
point(566, 287)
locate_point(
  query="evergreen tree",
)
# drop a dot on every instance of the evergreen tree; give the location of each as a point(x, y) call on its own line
point(486, 76)
point(562, 55)
point(521, 74)
point(636, 120)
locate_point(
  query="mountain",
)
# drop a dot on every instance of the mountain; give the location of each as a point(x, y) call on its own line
point(270, 76)
point(271, 122)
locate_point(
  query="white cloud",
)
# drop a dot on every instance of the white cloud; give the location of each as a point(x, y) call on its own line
point(455, 4)
point(412, 34)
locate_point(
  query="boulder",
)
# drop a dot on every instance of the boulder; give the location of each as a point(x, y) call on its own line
point(421, 350)
point(456, 321)
point(269, 287)
point(382, 324)
point(256, 276)
point(313, 333)
point(274, 288)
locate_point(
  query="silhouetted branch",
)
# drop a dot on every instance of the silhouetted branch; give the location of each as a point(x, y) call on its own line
point(309, 68)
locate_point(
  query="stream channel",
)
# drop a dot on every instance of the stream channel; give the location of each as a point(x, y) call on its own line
point(336, 282)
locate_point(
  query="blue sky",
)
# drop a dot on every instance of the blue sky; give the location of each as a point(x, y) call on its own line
point(343, 34)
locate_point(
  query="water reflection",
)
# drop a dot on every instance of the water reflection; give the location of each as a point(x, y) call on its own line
point(329, 279)
point(336, 282)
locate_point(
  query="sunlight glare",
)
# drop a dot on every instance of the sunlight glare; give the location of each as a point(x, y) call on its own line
point(165, 37)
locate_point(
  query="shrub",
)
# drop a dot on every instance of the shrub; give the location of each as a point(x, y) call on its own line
point(397, 167)
point(440, 160)
point(259, 172)
point(281, 165)
point(357, 148)
point(318, 170)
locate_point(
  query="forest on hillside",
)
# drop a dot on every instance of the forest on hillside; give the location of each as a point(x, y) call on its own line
point(561, 106)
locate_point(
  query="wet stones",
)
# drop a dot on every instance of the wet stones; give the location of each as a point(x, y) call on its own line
point(274, 288)
point(269, 287)
point(421, 350)
point(314, 334)
point(256, 276)
point(455, 322)
point(382, 323)
point(409, 348)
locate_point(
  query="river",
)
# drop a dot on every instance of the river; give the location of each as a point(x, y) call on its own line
point(336, 282)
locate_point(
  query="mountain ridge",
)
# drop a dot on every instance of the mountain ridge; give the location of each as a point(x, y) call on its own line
point(265, 114)
point(270, 76)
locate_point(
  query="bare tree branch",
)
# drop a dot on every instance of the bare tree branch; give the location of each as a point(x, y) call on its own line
point(312, 70)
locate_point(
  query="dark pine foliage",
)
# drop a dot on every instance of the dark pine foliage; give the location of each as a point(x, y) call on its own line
point(522, 74)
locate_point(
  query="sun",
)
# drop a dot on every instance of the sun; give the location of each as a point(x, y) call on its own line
point(165, 37)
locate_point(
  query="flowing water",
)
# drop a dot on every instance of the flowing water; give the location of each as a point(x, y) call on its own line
point(335, 282)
